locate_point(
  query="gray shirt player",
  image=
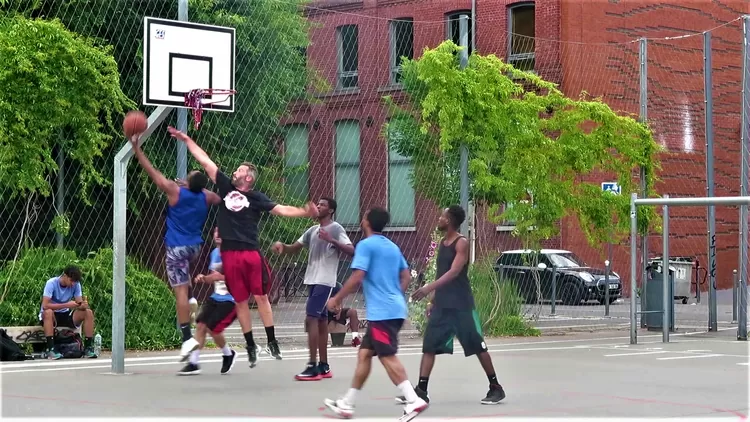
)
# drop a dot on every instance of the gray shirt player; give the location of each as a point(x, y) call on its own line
point(323, 263)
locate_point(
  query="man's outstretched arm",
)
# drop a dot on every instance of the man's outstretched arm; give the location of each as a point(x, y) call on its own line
point(200, 156)
point(167, 186)
point(309, 210)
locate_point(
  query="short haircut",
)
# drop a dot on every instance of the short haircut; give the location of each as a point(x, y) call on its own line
point(197, 182)
point(378, 218)
point(251, 168)
point(73, 272)
point(331, 203)
point(457, 215)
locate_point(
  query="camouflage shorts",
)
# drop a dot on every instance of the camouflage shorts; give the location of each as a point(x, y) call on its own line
point(178, 263)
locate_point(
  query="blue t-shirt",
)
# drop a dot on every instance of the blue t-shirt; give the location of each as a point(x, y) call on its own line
point(59, 294)
point(221, 294)
point(382, 261)
point(185, 219)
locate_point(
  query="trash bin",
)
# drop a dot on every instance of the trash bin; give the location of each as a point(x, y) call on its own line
point(683, 275)
point(654, 293)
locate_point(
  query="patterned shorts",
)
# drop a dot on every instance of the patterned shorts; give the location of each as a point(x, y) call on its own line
point(178, 263)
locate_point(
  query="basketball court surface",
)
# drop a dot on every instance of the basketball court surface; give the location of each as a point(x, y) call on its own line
point(568, 376)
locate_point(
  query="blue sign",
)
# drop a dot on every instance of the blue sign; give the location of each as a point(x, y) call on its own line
point(612, 187)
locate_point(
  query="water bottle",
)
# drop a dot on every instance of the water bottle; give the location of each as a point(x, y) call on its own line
point(97, 344)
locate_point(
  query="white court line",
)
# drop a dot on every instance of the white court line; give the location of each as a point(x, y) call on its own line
point(635, 354)
point(713, 355)
point(743, 363)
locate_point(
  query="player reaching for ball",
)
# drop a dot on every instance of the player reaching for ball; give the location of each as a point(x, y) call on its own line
point(380, 267)
point(187, 210)
point(452, 312)
point(327, 242)
point(245, 270)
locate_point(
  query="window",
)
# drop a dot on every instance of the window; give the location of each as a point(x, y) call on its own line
point(347, 172)
point(453, 28)
point(295, 152)
point(401, 198)
point(507, 223)
point(348, 45)
point(521, 46)
point(402, 45)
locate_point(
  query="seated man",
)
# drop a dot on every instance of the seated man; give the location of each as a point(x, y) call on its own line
point(63, 305)
point(343, 315)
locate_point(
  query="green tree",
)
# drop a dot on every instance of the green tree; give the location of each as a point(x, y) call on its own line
point(526, 140)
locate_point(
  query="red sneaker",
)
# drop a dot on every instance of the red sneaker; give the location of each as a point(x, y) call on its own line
point(356, 342)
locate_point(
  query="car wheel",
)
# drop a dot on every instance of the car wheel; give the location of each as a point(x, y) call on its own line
point(570, 294)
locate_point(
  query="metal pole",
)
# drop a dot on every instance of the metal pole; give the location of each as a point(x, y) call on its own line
point(182, 114)
point(742, 311)
point(735, 296)
point(60, 194)
point(473, 26)
point(709, 104)
point(666, 294)
point(463, 30)
point(118, 241)
point(643, 114)
point(554, 290)
point(633, 270)
point(606, 288)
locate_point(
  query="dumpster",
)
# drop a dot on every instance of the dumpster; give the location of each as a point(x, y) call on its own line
point(683, 275)
point(654, 292)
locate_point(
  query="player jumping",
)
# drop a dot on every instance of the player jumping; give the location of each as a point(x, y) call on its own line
point(327, 241)
point(380, 267)
point(246, 272)
point(216, 314)
point(451, 312)
point(187, 211)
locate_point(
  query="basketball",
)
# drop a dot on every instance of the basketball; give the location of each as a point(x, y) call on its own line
point(135, 122)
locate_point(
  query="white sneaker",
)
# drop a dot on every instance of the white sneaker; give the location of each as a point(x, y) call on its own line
point(187, 348)
point(411, 410)
point(340, 407)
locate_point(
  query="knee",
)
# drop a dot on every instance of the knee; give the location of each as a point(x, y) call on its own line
point(89, 314)
point(261, 299)
point(48, 314)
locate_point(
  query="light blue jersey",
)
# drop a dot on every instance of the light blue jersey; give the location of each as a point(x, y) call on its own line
point(221, 294)
point(382, 261)
point(58, 294)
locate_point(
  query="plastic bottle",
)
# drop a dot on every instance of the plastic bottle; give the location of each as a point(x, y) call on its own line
point(97, 344)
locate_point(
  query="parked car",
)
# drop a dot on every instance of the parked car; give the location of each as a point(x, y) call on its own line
point(576, 281)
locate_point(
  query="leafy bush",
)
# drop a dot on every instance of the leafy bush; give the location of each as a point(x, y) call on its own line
point(150, 316)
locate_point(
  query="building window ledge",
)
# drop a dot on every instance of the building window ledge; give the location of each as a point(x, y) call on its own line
point(391, 88)
point(505, 228)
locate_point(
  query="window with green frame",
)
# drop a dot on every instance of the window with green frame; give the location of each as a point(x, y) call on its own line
point(401, 198)
point(297, 163)
point(347, 172)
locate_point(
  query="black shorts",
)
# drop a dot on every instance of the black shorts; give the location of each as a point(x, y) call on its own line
point(444, 324)
point(382, 337)
point(341, 319)
point(64, 319)
point(217, 315)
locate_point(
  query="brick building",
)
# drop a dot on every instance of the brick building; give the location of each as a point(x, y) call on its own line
point(579, 44)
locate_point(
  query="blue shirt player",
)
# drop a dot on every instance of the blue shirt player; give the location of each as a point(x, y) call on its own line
point(216, 314)
point(380, 267)
point(187, 210)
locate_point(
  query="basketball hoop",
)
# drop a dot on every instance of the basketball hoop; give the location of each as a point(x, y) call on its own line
point(195, 100)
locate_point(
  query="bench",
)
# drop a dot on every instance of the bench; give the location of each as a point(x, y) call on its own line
point(338, 331)
point(31, 334)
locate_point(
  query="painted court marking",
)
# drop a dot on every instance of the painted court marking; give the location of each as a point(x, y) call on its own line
point(713, 355)
point(635, 354)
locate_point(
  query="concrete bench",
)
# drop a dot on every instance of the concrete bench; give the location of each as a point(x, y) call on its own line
point(29, 334)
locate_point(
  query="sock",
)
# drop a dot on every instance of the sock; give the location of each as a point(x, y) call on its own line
point(271, 334)
point(408, 391)
point(355, 334)
point(50, 342)
point(226, 351)
point(87, 342)
point(194, 357)
point(350, 396)
point(249, 339)
point(493, 379)
point(186, 334)
point(423, 383)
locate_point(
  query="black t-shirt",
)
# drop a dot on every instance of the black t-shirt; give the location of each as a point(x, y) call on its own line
point(456, 294)
point(239, 215)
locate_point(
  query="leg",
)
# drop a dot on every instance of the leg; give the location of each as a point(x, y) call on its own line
point(49, 321)
point(351, 314)
point(260, 283)
point(323, 340)
point(345, 405)
point(178, 271)
point(469, 333)
point(85, 318)
point(236, 268)
point(223, 316)
point(316, 315)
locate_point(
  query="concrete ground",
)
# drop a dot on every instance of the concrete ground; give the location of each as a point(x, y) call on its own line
point(576, 375)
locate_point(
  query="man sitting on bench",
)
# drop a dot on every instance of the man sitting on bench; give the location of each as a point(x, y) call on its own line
point(343, 315)
point(63, 305)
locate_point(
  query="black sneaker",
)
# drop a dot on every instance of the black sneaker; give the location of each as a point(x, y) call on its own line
point(252, 355)
point(324, 370)
point(273, 349)
point(309, 374)
point(420, 393)
point(227, 362)
point(494, 396)
point(190, 369)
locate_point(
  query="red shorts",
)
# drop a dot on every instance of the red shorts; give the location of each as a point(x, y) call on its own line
point(246, 273)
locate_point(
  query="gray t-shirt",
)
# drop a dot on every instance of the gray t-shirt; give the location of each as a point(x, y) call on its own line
point(323, 263)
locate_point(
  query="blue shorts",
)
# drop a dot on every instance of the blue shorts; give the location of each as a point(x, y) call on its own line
point(178, 263)
point(317, 299)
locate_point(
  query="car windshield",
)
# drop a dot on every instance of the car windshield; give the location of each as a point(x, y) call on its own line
point(566, 260)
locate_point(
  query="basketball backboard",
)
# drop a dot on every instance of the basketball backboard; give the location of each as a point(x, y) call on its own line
point(181, 56)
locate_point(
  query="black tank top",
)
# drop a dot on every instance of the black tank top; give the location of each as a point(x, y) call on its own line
point(457, 293)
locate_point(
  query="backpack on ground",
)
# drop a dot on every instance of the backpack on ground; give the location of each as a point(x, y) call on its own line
point(9, 350)
point(69, 344)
